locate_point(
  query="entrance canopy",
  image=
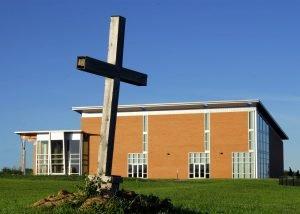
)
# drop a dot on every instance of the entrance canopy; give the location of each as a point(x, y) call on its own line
point(55, 152)
point(32, 135)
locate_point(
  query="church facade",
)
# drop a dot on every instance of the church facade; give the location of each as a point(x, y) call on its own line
point(199, 140)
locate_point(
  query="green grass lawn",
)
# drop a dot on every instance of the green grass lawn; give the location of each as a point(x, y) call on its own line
point(221, 196)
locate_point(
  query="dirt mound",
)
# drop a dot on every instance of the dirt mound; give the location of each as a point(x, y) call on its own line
point(125, 201)
point(88, 203)
point(63, 196)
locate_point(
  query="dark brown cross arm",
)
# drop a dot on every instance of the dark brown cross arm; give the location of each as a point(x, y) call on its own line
point(94, 66)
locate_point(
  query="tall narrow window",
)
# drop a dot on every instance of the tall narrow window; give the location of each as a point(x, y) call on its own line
point(263, 143)
point(145, 133)
point(42, 158)
point(74, 157)
point(57, 157)
point(251, 130)
point(207, 132)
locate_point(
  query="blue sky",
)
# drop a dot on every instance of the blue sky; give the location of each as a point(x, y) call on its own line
point(191, 50)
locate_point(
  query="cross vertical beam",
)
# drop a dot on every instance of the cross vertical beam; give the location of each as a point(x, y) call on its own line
point(111, 97)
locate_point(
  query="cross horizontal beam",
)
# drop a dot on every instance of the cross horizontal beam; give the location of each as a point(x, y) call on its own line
point(97, 67)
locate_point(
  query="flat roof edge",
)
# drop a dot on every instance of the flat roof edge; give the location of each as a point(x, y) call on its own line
point(78, 108)
point(45, 131)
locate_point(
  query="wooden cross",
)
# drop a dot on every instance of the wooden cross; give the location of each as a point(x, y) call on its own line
point(113, 72)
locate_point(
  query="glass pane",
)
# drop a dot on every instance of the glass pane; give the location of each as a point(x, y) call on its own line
point(197, 170)
point(251, 120)
point(206, 141)
point(235, 168)
point(241, 168)
point(140, 171)
point(57, 168)
point(207, 168)
point(75, 169)
point(202, 171)
point(191, 160)
point(247, 168)
point(74, 146)
point(145, 123)
point(57, 156)
point(56, 147)
point(135, 171)
point(42, 147)
point(206, 121)
point(191, 168)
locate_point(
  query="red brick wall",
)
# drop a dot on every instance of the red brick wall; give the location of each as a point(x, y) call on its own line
point(229, 133)
point(176, 135)
point(92, 127)
point(170, 139)
point(128, 140)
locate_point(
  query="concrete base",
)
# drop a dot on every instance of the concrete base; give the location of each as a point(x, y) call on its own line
point(109, 185)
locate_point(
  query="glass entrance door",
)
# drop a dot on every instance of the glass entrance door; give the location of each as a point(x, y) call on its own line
point(42, 164)
point(57, 157)
point(199, 170)
point(74, 157)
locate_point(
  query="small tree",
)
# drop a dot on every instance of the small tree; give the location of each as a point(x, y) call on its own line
point(290, 173)
point(297, 174)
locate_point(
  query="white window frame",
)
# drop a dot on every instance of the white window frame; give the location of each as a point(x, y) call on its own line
point(63, 158)
point(251, 163)
point(75, 157)
point(200, 156)
point(38, 158)
point(145, 134)
point(207, 132)
point(137, 159)
point(61, 137)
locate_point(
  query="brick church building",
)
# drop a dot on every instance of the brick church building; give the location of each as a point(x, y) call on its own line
point(198, 140)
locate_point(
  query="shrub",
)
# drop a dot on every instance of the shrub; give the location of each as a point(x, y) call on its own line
point(10, 171)
point(91, 186)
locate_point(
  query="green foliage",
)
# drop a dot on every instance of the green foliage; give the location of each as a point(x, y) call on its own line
point(91, 186)
point(10, 171)
point(141, 204)
point(14, 171)
point(292, 173)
